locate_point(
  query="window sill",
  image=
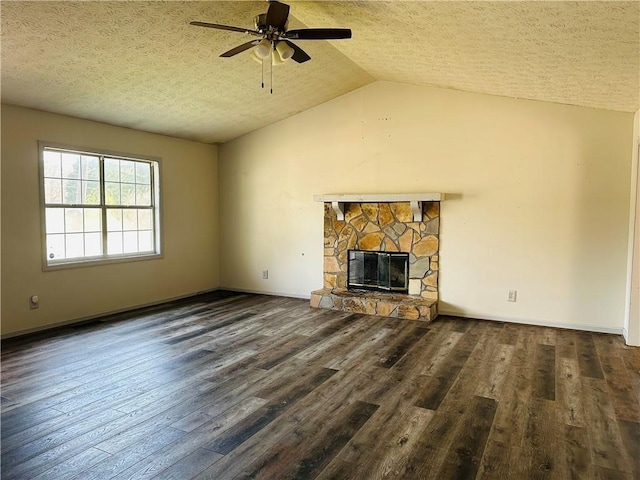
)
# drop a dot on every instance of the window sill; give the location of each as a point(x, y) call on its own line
point(66, 264)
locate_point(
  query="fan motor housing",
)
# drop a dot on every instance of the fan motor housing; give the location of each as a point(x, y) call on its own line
point(260, 22)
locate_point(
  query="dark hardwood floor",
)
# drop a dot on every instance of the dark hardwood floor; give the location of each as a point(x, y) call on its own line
point(238, 386)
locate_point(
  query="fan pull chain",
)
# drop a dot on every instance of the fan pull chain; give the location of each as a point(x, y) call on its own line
point(262, 69)
point(271, 71)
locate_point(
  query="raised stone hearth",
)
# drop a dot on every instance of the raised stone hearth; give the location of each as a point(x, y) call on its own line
point(373, 303)
point(389, 223)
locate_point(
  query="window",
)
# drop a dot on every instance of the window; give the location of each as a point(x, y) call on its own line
point(98, 207)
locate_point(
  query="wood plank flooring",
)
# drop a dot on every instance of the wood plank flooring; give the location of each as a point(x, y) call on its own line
point(237, 386)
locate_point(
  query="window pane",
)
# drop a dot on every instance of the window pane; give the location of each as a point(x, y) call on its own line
point(90, 168)
point(144, 241)
point(144, 219)
point(114, 220)
point(128, 194)
point(54, 220)
point(55, 247)
point(130, 219)
point(75, 245)
point(111, 170)
point(70, 165)
point(92, 244)
point(112, 193)
point(71, 192)
point(143, 195)
point(80, 188)
point(114, 243)
point(52, 166)
point(127, 171)
point(52, 190)
point(92, 220)
point(130, 242)
point(73, 220)
point(91, 193)
point(143, 173)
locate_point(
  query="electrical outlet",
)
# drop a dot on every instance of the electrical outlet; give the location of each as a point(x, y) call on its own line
point(513, 295)
point(34, 302)
point(265, 274)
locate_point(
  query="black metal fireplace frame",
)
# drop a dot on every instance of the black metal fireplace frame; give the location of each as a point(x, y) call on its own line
point(379, 288)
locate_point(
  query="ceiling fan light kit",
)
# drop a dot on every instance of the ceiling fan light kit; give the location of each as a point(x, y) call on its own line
point(275, 41)
point(284, 50)
point(263, 49)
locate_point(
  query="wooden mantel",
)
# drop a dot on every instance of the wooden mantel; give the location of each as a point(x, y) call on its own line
point(415, 199)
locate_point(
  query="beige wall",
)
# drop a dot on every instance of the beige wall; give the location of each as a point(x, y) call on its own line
point(190, 224)
point(538, 197)
point(632, 313)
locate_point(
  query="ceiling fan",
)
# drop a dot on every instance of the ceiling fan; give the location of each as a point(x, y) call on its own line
point(274, 38)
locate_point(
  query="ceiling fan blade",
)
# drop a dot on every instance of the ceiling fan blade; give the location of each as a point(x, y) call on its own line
point(299, 55)
point(240, 48)
point(318, 34)
point(277, 15)
point(225, 27)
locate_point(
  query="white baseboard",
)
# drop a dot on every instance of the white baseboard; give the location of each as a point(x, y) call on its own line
point(540, 323)
point(537, 323)
point(258, 292)
point(88, 318)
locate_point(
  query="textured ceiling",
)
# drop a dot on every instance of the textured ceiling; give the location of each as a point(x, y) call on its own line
point(140, 65)
point(579, 53)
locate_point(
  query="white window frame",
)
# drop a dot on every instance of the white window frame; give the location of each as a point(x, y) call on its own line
point(105, 258)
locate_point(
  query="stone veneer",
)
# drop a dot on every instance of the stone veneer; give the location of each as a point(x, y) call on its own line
point(389, 227)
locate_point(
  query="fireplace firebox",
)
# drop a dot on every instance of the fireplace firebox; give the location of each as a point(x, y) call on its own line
point(383, 271)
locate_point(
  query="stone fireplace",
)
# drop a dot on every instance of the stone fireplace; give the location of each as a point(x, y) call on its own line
point(381, 223)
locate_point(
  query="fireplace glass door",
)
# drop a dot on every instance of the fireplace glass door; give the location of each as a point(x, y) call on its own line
point(384, 271)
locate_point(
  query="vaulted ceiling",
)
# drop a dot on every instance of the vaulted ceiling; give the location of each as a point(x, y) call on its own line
point(141, 65)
